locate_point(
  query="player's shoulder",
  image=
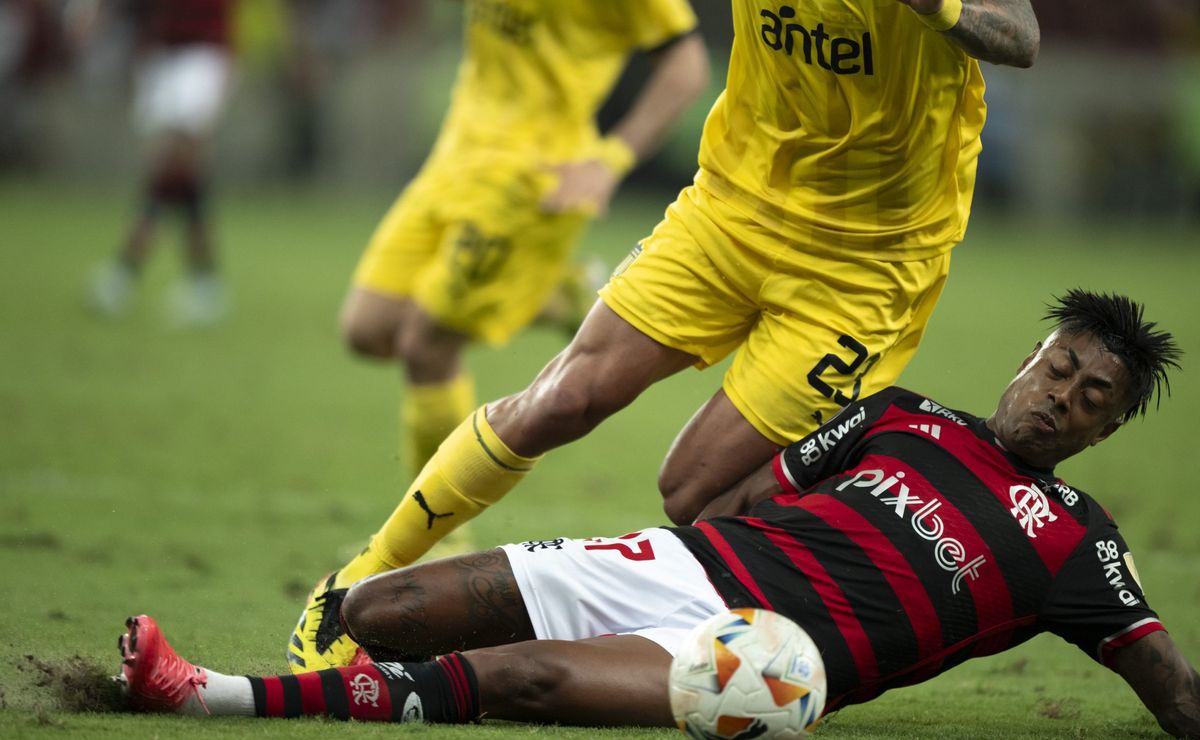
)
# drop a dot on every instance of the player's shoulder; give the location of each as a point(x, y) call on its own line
point(1084, 507)
point(917, 403)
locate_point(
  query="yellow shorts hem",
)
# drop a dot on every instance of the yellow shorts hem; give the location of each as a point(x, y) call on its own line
point(637, 322)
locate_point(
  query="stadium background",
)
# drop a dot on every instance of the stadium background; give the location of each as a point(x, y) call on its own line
point(208, 477)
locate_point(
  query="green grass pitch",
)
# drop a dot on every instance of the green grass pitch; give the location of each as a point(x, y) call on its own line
point(209, 477)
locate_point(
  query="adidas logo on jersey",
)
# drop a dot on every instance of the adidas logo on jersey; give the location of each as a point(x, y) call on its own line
point(933, 430)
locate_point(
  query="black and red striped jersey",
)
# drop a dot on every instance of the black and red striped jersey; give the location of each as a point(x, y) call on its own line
point(908, 540)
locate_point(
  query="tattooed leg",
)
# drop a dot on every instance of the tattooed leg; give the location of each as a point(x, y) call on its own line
point(459, 603)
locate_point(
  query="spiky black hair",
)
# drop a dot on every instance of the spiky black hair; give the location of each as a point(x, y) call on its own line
point(1117, 322)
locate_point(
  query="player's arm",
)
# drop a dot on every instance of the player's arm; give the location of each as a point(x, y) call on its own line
point(997, 31)
point(1164, 681)
point(679, 76)
point(758, 486)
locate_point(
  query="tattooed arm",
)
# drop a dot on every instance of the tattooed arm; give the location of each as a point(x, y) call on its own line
point(1164, 681)
point(997, 31)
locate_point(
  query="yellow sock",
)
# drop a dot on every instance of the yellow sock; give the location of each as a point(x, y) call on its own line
point(471, 470)
point(429, 413)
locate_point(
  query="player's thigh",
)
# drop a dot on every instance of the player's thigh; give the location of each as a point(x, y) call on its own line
point(372, 323)
point(673, 288)
point(404, 243)
point(832, 330)
point(466, 601)
point(499, 257)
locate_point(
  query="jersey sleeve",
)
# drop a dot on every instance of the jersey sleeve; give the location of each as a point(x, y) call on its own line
point(652, 23)
point(1097, 603)
point(831, 448)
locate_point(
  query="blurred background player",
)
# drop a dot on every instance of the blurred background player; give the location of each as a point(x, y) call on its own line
point(836, 174)
point(184, 67)
point(475, 245)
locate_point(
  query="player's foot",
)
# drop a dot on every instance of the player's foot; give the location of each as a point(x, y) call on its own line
point(200, 300)
point(110, 288)
point(155, 679)
point(319, 640)
point(574, 296)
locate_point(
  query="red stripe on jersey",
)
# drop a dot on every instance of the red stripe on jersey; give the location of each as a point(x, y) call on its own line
point(1131, 634)
point(312, 693)
point(367, 693)
point(948, 530)
point(989, 465)
point(736, 566)
point(832, 597)
point(891, 563)
point(274, 695)
point(781, 475)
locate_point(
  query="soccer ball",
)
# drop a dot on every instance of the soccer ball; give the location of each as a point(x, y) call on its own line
point(747, 673)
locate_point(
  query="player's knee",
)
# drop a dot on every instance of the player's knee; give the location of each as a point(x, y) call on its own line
point(679, 507)
point(365, 613)
point(366, 340)
point(683, 499)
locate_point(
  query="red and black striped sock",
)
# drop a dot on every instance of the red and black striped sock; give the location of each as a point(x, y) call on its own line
point(442, 690)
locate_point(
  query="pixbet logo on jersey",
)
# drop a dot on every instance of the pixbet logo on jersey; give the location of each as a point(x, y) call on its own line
point(948, 552)
point(838, 54)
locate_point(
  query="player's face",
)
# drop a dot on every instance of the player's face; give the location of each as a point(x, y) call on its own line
point(1069, 394)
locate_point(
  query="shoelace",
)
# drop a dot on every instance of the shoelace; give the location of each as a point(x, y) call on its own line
point(175, 677)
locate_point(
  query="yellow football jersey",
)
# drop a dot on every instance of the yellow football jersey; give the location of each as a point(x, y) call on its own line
point(535, 72)
point(846, 124)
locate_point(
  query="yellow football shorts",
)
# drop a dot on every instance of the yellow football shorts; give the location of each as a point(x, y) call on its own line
point(812, 331)
point(472, 248)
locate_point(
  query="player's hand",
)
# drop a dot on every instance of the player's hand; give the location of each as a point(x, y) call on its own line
point(585, 186)
point(924, 7)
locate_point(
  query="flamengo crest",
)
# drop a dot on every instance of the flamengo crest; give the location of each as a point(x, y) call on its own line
point(1030, 508)
point(364, 690)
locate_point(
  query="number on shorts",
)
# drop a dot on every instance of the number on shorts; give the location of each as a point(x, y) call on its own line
point(841, 367)
point(640, 550)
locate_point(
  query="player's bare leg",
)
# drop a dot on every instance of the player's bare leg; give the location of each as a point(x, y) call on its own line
point(579, 682)
point(472, 603)
point(467, 601)
point(714, 451)
point(606, 366)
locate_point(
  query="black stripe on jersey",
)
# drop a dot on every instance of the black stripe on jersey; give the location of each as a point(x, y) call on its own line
point(1019, 562)
point(735, 595)
point(955, 611)
point(292, 705)
point(796, 598)
point(875, 603)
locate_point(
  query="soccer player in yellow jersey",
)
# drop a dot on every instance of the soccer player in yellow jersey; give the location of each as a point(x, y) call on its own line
point(476, 243)
point(474, 246)
point(836, 173)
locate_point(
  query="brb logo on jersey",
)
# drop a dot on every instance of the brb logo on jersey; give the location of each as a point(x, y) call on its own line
point(1030, 507)
point(838, 54)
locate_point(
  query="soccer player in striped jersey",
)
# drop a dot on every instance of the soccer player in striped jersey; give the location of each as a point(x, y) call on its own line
point(905, 537)
point(185, 64)
point(835, 175)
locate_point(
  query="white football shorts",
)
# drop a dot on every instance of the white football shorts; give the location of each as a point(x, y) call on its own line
point(644, 583)
point(182, 89)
